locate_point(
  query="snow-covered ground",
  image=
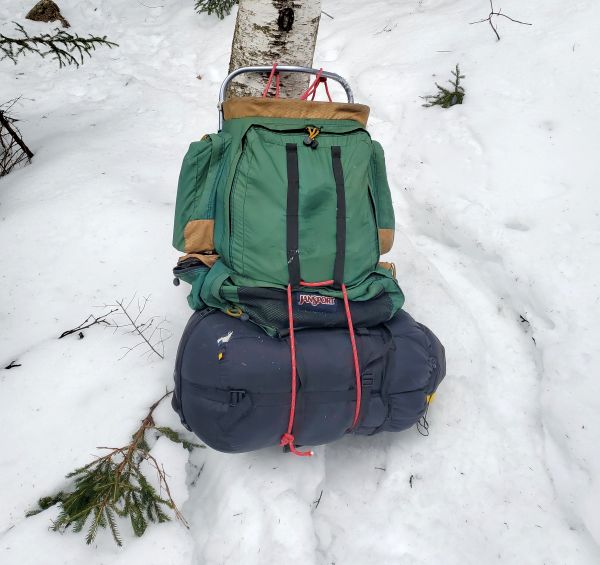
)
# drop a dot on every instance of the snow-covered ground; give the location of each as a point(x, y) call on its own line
point(497, 205)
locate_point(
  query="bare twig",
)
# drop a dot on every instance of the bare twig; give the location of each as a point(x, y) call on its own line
point(318, 501)
point(90, 321)
point(497, 14)
point(195, 480)
point(152, 332)
point(13, 149)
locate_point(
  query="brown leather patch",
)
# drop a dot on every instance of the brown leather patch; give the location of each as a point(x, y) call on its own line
point(250, 106)
point(386, 239)
point(388, 266)
point(198, 236)
point(208, 260)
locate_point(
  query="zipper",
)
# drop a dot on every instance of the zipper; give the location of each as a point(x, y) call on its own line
point(231, 193)
point(211, 205)
point(294, 131)
point(375, 225)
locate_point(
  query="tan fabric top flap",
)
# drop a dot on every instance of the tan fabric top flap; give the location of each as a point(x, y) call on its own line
point(251, 106)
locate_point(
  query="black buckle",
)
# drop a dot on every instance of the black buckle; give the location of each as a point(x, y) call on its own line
point(236, 396)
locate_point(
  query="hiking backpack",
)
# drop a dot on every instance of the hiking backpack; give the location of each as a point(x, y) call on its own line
point(283, 215)
point(288, 203)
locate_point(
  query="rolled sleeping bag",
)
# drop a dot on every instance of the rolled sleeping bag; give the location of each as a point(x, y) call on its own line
point(233, 381)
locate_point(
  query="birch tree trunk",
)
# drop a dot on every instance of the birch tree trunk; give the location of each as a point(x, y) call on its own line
point(269, 31)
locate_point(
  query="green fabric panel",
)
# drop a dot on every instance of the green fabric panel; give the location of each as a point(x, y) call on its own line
point(318, 205)
point(381, 190)
point(196, 279)
point(210, 293)
point(201, 170)
point(257, 247)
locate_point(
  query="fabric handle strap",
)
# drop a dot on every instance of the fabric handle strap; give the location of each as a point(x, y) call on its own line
point(340, 218)
point(292, 225)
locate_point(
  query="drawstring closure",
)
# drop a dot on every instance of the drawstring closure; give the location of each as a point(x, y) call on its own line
point(287, 439)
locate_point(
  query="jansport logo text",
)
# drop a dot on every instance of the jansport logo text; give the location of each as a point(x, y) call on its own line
point(316, 300)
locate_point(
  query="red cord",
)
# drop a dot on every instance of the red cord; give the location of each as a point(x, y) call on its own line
point(324, 81)
point(315, 284)
point(355, 356)
point(312, 89)
point(288, 437)
point(270, 80)
point(312, 86)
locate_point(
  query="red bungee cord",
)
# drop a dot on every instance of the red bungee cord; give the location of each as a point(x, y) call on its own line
point(287, 439)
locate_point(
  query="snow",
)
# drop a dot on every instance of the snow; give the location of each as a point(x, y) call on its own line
point(497, 250)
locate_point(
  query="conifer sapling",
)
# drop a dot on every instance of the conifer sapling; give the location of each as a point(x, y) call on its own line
point(446, 97)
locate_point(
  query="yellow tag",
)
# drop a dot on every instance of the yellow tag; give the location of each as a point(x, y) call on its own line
point(430, 397)
point(313, 132)
point(220, 355)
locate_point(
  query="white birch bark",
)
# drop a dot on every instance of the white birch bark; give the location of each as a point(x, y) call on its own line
point(268, 31)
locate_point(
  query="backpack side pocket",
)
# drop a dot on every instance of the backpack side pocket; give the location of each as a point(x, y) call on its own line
point(201, 171)
point(384, 209)
point(192, 269)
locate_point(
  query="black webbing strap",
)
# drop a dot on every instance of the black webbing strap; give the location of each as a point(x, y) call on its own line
point(292, 226)
point(365, 402)
point(340, 225)
point(237, 397)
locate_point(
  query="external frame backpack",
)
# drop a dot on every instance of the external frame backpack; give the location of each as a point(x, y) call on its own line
point(282, 217)
point(288, 202)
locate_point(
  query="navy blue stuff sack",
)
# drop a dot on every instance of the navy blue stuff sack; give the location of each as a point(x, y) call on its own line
point(233, 382)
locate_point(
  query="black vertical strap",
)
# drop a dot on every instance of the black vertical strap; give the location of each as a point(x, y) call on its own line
point(365, 401)
point(340, 233)
point(293, 203)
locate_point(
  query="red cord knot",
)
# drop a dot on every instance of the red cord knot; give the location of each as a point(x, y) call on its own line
point(288, 439)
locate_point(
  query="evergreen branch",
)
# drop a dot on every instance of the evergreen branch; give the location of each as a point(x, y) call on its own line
point(113, 486)
point(221, 8)
point(171, 434)
point(46, 502)
point(446, 97)
point(62, 46)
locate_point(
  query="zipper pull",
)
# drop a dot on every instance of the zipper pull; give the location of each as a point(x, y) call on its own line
point(310, 140)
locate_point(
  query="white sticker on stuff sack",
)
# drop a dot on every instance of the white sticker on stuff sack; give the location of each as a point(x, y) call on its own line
point(225, 338)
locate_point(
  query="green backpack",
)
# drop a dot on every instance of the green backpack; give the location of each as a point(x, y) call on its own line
point(289, 202)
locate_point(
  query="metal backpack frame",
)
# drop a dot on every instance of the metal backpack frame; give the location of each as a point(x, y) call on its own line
point(280, 69)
